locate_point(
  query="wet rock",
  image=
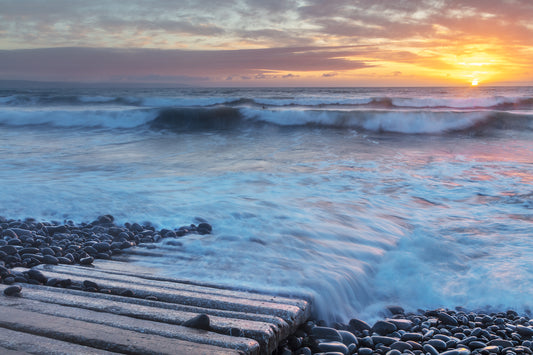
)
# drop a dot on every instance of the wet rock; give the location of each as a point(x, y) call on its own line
point(382, 327)
point(348, 337)
point(13, 290)
point(37, 276)
point(326, 334)
point(199, 322)
point(447, 319)
point(51, 260)
point(332, 347)
point(524, 331)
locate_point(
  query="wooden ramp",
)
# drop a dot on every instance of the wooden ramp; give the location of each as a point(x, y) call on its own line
point(55, 320)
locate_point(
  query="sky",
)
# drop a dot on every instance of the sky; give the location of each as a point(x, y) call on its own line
point(269, 42)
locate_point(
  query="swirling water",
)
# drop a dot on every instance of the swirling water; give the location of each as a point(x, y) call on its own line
point(356, 198)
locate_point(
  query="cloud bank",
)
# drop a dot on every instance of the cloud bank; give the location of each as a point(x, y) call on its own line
point(100, 39)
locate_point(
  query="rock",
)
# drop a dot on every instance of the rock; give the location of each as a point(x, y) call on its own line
point(50, 260)
point(365, 351)
point(37, 276)
point(199, 322)
point(326, 334)
point(204, 228)
point(437, 344)
point(387, 341)
point(127, 293)
point(394, 352)
point(9, 249)
point(13, 290)
point(87, 260)
point(447, 319)
point(403, 324)
point(101, 247)
point(430, 349)
point(88, 284)
point(501, 342)
point(524, 331)
point(332, 347)
point(412, 336)
point(382, 327)
point(348, 338)
point(401, 346)
point(9, 280)
point(395, 310)
point(476, 344)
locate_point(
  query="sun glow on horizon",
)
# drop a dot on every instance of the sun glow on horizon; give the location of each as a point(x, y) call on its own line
point(475, 82)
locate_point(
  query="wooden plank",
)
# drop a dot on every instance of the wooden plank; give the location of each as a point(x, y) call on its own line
point(264, 333)
point(100, 336)
point(234, 301)
point(244, 345)
point(14, 342)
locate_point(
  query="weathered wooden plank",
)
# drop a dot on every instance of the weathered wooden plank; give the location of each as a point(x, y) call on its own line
point(245, 345)
point(100, 336)
point(14, 342)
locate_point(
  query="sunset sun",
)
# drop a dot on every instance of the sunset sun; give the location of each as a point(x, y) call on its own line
point(475, 82)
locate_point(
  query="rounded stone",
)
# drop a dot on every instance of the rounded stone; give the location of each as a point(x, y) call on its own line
point(50, 260)
point(348, 337)
point(37, 276)
point(430, 349)
point(524, 331)
point(437, 344)
point(359, 325)
point(394, 352)
point(90, 284)
point(332, 347)
point(9, 249)
point(201, 321)
point(87, 260)
point(326, 334)
point(365, 351)
point(13, 290)
point(447, 319)
point(401, 346)
point(412, 336)
point(382, 327)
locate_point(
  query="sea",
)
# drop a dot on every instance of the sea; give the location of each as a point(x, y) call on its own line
point(355, 198)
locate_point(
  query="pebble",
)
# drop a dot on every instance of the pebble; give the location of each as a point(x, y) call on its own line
point(199, 322)
point(13, 290)
point(382, 327)
point(430, 332)
point(326, 334)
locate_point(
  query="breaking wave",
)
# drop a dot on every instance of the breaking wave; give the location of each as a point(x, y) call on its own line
point(222, 117)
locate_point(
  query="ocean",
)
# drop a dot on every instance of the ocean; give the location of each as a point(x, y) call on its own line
point(356, 198)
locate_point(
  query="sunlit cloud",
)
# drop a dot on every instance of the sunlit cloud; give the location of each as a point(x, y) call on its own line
point(340, 42)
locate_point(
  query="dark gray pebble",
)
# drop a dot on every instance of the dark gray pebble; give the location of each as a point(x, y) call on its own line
point(199, 322)
point(476, 344)
point(394, 352)
point(51, 260)
point(332, 347)
point(87, 260)
point(524, 331)
point(348, 337)
point(127, 293)
point(382, 327)
point(377, 339)
point(437, 344)
point(412, 336)
point(401, 346)
point(13, 290)
point(365, 351)
point(326, 333)
point(430, 349)
point(90, 284)
point(359, 325)
point(37, 276)
point(447, 319)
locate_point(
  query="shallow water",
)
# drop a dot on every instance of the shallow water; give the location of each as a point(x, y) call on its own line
point(327, 193)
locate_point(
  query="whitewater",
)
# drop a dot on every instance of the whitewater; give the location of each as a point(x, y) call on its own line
point(356, 198)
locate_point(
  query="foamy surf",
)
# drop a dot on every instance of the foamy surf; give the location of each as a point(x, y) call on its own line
point(355, 205)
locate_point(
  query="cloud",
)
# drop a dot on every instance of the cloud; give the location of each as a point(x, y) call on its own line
point(106, 63)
